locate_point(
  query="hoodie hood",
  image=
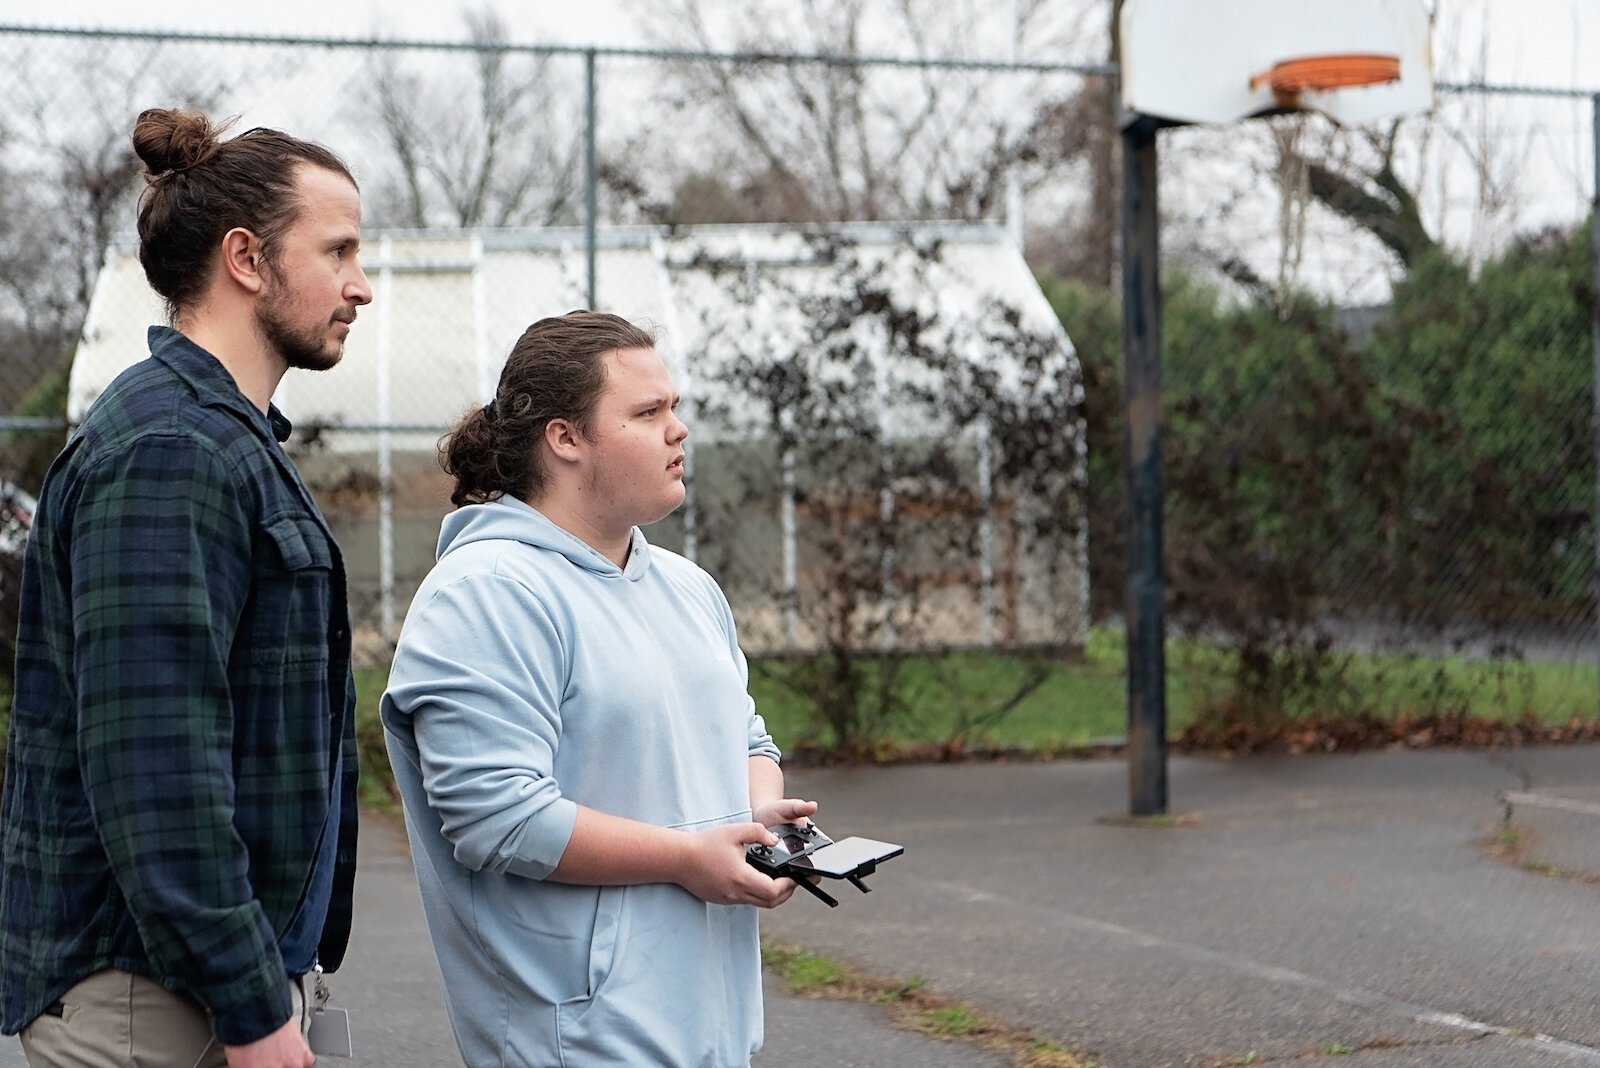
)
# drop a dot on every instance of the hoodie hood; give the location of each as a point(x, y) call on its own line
point(510, 519)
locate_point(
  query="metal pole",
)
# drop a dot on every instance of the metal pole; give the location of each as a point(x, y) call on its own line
point(985, 462)
point(1014, 203)
point(590, 179)
point(886, 551)
point(1141, 449)
point(488, 374)
point(1594, 321)
point(386, 604)
point(791, 534)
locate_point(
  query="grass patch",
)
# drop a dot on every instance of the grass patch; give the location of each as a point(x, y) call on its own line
point(952, 1021)
point(1081, 702)
point(1389, 685)
point(914, 1006)
point(806, 973)
point(1085, 700)
point(1045, 1054)
point(905, 990)
point(377, 781)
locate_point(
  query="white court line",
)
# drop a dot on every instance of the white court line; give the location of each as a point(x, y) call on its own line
point(1349, 995)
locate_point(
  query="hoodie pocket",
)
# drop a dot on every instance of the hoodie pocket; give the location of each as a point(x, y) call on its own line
point(682, 987)
point(608, 920)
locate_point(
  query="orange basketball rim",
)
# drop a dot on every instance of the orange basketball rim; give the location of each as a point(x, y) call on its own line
point(1292, 77)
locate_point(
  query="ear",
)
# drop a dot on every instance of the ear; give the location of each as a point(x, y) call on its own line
point(241, 259)
point(561, 437)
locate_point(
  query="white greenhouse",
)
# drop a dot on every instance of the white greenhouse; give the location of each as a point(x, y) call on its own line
point(885, 421)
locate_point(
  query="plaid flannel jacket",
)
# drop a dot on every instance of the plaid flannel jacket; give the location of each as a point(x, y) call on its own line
point(183, 690)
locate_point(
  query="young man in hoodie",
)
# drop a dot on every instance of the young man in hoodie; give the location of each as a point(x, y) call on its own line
point(581, 764)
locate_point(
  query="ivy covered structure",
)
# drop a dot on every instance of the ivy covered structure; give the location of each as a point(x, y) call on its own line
point(887, 432)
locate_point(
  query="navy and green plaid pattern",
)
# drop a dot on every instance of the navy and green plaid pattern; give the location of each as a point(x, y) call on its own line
point(183, 690)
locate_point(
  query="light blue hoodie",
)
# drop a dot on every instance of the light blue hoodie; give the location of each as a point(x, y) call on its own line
point(534, 674)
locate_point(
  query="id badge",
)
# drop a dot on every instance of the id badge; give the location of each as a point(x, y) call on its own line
point(330, 1033)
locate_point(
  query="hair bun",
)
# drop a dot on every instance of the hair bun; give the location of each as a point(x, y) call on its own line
point(169, 139)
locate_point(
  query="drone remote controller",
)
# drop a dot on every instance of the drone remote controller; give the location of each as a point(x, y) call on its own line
point(804, 852)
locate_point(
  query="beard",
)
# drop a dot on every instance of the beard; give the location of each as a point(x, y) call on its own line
point(307, 348)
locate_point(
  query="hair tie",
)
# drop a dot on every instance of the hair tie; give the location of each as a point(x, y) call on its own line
point(201, 158)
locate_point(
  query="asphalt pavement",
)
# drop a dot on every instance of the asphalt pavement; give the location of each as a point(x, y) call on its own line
point(1341, 909)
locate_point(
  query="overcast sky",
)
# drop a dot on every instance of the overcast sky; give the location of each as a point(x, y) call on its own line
point(1543, 42)
point(532, 21)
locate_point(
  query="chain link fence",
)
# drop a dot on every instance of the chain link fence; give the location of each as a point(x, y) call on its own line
point(1380, 346)
point(1383, 472)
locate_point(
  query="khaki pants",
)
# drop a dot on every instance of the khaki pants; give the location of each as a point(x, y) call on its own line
point(117, 1020)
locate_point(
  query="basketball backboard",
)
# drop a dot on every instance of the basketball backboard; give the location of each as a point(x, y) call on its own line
point(1185, 61)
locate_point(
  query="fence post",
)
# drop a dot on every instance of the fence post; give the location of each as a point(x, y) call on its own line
point(386, 603)
point(590, 179)
point(1141, 450)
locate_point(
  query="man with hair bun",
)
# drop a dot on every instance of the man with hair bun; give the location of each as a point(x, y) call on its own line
point(179, 822)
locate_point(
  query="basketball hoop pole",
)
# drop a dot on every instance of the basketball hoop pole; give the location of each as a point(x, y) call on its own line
point(1594, 312)
point(1357, 61)
point(1145, 604)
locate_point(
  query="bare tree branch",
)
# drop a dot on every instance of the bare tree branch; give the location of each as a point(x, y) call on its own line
point(505, 163)
point(850, 141)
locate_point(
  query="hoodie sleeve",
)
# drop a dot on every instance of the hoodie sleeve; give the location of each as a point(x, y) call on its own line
point(479, 672)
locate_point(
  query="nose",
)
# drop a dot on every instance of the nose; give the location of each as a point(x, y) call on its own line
point(359, 290)
point(678, 431)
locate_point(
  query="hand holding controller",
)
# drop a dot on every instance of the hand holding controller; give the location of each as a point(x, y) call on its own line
point(804, 852)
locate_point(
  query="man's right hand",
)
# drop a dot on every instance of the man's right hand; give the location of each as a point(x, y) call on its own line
point(284, 1048)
